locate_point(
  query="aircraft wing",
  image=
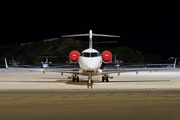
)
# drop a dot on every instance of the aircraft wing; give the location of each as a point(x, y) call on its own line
point(135, 70)
point(72, 71)
point(132, 70)
point(104, 71)
point(62, 70)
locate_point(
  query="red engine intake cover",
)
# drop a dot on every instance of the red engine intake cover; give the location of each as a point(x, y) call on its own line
point(106, 56)
point(74, 56)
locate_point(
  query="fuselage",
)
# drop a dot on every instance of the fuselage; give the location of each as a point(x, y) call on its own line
point(45, 65)
point(90, 60)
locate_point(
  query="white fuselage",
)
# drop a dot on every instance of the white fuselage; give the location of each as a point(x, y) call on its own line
point(90, 60)
point(45, 65)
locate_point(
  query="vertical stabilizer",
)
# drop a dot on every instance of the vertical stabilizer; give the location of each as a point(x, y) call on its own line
point(90, 38)
point(115, 58)
point(6, 62)
point(174, 63)
point(12, 59)
point(46, 60)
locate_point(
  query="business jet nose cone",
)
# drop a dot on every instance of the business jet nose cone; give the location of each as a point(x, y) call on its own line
point(91, 66)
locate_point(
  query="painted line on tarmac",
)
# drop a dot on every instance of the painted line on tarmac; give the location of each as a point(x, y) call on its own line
point(110, 94)
point(45, 97)
point(147, 94)
point(21, 97)
point(129, 94)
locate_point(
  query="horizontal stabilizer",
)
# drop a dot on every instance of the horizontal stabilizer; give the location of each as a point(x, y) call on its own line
point(90, 34)
point(101, 35)
point(75, 35)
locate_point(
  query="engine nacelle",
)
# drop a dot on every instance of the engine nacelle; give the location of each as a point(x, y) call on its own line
point(74, 56)
point(106, 56)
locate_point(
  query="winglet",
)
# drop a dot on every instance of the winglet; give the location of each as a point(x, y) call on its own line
point(174, 63)
point(6, 62)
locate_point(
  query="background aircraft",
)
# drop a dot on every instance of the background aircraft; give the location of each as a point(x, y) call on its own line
point(113, 64)
point(13, 63)
point(46, 63)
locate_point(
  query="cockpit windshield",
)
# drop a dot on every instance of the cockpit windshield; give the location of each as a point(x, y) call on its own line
point(95, 54)
point(87, 54)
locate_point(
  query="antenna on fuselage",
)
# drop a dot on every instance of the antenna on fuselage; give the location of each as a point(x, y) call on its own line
point(90, 36)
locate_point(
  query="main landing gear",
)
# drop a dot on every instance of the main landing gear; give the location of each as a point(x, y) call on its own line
point(106, 78)
point(74, 78)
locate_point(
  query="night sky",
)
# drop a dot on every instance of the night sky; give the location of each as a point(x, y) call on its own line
point(152, 28)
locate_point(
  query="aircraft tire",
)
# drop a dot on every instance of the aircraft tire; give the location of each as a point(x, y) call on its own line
point(73, 79)
point(102, 78)
point(107, 79)
point(77, 79)
point(91, 81)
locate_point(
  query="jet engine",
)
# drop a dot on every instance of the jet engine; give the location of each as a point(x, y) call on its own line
point(106, 56)
point(74, 56)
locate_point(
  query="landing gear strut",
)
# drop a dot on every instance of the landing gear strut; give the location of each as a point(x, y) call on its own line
point(90, 81)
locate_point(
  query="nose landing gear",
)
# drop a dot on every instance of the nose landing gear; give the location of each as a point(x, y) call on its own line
point(90, 81)
point(89, 84)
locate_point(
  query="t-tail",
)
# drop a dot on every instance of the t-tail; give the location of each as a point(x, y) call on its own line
point(174, 64)
point(12, 59)
point(115, 58)
point(46, 59)
point(90, 34)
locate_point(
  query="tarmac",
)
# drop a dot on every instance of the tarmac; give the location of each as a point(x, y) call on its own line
point(34, 95)
point(23, 79)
